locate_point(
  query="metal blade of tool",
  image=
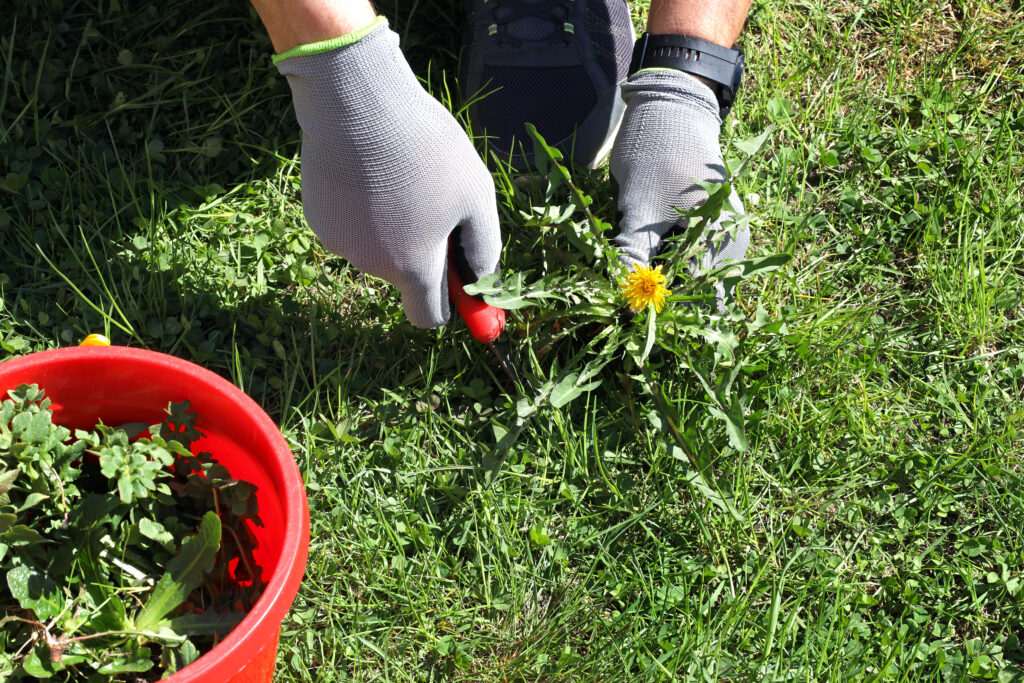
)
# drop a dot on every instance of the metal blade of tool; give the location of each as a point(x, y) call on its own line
point(485, 322)
point(501, 352)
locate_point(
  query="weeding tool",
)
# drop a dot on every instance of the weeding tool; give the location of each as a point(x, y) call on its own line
point(485, 322)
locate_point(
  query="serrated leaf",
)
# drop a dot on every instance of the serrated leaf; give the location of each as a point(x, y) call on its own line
point(94, 508)
point(697, 481)
point(181, 424)
point(664, 420)
point(734, 426)
point(741, 270)
point(540, 145)
point(547, 160)
point(573, 232)
point(510, 302)
point(509, 294)
point(711, 209)
point(185, 572)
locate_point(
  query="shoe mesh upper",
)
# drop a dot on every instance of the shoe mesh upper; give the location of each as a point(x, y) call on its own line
point(556, 99)
point(550, 99)
point(611, 31)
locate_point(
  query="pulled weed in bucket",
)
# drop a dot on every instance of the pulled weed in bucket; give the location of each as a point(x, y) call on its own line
point(125, 559)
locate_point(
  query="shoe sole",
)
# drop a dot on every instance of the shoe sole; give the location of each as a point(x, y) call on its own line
point(606, 146)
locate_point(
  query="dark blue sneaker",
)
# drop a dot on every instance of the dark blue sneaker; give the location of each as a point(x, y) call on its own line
point(554, 63)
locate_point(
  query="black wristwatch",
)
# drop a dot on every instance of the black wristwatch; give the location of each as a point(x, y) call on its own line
point(720, 65)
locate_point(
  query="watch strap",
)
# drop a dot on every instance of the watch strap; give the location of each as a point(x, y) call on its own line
point(722, 66)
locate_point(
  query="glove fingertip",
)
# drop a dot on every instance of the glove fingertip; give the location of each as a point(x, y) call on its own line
point(426, 317)
point(629, 255)
point(477, 245)
point(426, 305)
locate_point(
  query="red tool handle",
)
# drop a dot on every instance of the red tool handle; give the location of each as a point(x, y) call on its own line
point(485, 322)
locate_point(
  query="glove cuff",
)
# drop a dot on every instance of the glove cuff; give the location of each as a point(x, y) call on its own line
point(673, 86)
point(333, 43)
point(346, 90)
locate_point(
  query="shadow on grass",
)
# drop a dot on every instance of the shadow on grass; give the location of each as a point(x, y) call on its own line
point(152, 197)
point(117, 121)
point(149, 191)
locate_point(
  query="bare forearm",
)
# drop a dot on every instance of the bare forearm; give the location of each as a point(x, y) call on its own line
point(719, 21)
point(291, 23)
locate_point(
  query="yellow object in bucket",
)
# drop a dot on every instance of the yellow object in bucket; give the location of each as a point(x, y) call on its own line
point(95, 340)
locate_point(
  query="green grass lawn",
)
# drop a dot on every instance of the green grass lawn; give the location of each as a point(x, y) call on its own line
point(149, 190)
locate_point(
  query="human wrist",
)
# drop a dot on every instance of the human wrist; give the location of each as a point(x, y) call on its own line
point(317, 47)
point(293, 23)
point(345, 77)
point(717, 21)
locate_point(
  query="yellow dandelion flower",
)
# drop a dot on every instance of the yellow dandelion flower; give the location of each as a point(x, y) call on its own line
point(644, 286)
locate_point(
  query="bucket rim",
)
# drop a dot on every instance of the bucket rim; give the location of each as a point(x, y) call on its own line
point(262, 623)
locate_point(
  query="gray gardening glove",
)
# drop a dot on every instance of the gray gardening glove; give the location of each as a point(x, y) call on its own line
point(668, 139)
point(387, 172)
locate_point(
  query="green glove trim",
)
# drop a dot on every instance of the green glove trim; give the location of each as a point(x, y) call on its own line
point(652, 69)
point(332, 44)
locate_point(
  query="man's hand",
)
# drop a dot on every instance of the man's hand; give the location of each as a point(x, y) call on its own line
point(388, 173)
point(668, 140)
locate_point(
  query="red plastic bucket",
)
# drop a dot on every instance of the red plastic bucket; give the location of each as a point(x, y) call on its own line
point(117, 384)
